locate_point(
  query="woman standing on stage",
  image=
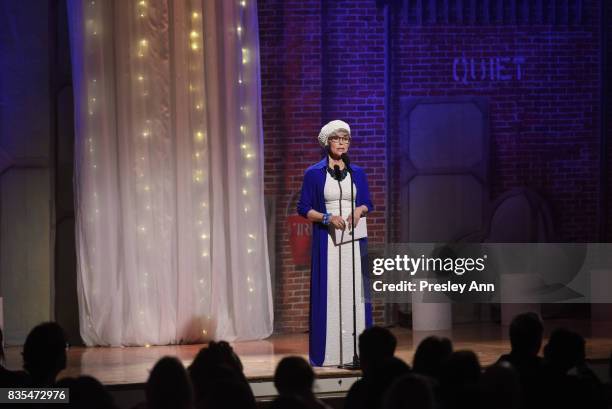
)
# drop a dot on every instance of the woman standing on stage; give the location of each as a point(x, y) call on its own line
point(325, 200)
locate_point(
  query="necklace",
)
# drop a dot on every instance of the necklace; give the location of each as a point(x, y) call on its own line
point(332, 172)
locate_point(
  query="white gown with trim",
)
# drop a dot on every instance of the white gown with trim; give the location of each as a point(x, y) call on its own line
point(339, 328)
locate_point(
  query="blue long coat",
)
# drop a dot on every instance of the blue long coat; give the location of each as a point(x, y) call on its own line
point(311, 197)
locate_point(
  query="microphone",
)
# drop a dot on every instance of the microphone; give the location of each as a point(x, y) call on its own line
point(337, 173)
point(347, 161)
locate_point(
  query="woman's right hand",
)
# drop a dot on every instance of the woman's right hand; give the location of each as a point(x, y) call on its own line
point(338, 222)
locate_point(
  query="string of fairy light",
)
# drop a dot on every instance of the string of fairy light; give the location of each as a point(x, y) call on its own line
point(247, 148)
point(91, 27)
point(196, 97)
point(145, 131)
point(92, 31)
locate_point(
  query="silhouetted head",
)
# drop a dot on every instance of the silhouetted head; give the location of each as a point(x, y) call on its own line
point(228, 394)
point(462, 367)
point(215, 362)
point(381, 374)
point(500, 387)
point(375, 344)
point(86, 392)
point(168, 386)
point(217, 353)
point(526, 334)
point(44, 353)
point(293, 376)
point(409, 391)
point(459, 380)
point(565, 349)
point(430, 355)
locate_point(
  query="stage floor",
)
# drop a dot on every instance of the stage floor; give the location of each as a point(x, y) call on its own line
point(119, 367)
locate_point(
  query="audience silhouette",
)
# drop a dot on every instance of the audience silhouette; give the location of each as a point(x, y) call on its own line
point(169, 386)
point(459, 380)
point(430, 356)
point(295, 377)
point(526, 331)
point(441, 378)
point(44, 354)
point(380, 368)
point(410, 391)
point(218, 378)
point(86, 392)
point(429, 360)
point(569, 382)
point(375, 343)
point(500, 387)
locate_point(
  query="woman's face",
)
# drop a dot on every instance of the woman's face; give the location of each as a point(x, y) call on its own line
point(338, 144)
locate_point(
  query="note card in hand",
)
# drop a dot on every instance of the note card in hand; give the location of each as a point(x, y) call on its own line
point(346, 235)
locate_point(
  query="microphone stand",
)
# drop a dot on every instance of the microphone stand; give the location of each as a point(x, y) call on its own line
point(355, 365)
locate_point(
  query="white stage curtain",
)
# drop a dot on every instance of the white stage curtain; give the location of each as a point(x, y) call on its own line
point(170, 224)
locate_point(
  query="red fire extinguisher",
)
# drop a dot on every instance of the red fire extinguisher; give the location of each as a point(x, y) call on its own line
point(300, 234)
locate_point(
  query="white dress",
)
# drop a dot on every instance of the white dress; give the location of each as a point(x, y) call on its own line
point(339, 328)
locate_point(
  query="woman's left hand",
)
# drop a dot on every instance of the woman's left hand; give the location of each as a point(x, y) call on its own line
point(358, 213)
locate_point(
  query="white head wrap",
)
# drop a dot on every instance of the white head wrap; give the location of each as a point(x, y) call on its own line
point(331, 128)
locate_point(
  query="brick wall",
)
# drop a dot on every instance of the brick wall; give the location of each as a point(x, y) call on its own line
point(543, 128)
point(323, 60)
point(290, 54)
point(315, 68)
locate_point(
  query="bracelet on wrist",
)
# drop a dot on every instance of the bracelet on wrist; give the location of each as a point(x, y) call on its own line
point(326, 218)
